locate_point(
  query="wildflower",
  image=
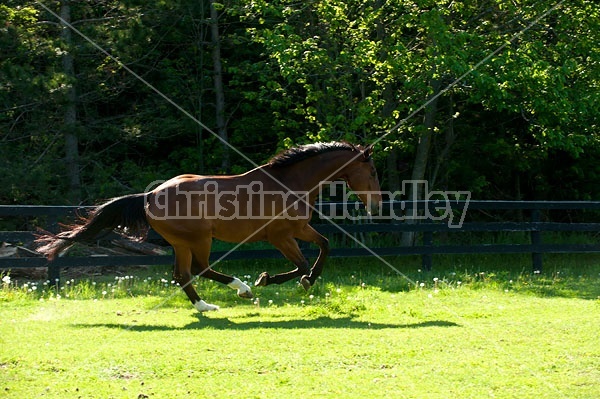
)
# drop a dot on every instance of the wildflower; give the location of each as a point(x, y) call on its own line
point(270, 301)
point(6, 279)
point(422, 285)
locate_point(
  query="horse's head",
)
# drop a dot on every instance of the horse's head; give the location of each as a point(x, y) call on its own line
point(361, 177)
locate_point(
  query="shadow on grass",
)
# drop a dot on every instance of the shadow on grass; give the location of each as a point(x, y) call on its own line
point(227, 324)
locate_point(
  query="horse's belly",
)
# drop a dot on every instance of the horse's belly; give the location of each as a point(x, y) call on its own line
point(239, 231)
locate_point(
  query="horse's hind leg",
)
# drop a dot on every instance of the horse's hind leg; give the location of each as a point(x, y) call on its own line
point(201, 267)
point(243, 290)
point(182, 274)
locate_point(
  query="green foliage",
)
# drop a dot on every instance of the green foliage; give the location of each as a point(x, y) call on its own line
point(523, 125)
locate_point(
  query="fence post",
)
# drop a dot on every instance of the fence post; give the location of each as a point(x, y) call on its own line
point(427, 258)
point(54, 273)
point(536, 240)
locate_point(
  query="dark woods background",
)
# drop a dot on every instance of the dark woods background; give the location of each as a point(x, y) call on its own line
point(76, 127)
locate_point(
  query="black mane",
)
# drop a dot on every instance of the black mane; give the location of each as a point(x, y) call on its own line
point(297, 154)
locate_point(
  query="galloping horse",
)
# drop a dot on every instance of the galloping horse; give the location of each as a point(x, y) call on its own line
point(272, 202)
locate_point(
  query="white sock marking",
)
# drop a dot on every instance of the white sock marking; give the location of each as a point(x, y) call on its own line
point(204, 307)
point(243, 289)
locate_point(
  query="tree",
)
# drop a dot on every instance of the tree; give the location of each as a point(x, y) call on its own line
point(299, 72)
point(70, 105)
point(218, 81)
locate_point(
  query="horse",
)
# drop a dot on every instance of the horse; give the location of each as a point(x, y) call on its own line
point(273, 202)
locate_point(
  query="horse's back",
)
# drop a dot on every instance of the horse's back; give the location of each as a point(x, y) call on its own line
point(230, 208)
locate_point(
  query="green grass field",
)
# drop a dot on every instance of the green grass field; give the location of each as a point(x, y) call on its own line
point(475, 327)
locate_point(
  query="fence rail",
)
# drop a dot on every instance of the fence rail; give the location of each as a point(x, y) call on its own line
point(427, 247)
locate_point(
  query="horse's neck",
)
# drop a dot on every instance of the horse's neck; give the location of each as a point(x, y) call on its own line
point(307, 175)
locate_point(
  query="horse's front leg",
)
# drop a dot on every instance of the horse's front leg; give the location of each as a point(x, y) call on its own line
point(309, 234)
point(289, 248)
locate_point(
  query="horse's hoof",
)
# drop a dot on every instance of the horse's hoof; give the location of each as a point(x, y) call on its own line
point(202, 306)
point(246, 294)
point(305, 283)
point(262, 280)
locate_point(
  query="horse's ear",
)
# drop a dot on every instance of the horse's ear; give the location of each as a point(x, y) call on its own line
point(367, 152)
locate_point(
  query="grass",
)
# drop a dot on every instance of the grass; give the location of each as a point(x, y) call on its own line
point(479, 326)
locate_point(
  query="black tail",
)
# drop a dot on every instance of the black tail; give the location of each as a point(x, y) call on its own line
point(126, 213)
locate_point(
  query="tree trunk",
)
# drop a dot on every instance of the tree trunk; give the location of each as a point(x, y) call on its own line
point(422, 157)
point(70, 109)
point(218, 83)
point(393, 174)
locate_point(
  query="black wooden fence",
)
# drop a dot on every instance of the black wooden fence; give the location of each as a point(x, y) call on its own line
point(532, 218)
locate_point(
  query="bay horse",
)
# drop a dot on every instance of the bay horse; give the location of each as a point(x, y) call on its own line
point(273, 202)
